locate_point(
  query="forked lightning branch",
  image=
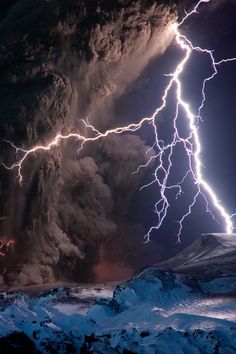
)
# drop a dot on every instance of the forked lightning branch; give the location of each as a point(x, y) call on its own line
point(163, 156)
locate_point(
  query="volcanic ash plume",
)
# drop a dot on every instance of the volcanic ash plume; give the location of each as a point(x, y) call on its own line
point(62, 61)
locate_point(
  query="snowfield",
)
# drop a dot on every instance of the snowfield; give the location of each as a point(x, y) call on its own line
point(158, 311)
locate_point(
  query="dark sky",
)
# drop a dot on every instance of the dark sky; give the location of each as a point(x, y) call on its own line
point(84, 218)
point(213, 28)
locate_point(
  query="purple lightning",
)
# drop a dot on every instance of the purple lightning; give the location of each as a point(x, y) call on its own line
point(163, 152)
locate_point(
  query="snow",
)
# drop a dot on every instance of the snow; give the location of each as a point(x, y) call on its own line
point(223, 285)
point(158, 311)
point(154, 307)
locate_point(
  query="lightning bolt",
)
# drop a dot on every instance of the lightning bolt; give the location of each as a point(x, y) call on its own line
point(163, 156)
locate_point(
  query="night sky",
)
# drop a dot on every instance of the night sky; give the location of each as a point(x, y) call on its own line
point(83, 218)
point(213, 28)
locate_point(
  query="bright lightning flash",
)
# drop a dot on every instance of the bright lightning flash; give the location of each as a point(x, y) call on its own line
point(163, 152)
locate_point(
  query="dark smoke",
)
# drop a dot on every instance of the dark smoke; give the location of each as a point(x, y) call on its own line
point(60, 61)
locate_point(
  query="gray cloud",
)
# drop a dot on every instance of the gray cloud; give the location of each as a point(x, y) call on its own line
point(76, 61)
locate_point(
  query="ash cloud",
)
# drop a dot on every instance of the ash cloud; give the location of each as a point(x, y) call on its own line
point(61, 61)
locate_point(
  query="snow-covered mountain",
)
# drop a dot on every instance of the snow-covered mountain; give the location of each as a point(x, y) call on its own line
point(158, 311)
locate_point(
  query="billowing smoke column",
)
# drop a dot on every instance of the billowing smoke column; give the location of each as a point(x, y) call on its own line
point(74, 212)
point(63, 61)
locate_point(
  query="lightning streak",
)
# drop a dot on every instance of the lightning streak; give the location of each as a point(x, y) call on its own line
point(163, 155)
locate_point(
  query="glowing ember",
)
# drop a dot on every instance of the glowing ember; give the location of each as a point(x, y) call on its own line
point(5, 246)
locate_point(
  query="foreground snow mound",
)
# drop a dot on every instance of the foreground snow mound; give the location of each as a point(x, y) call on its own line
point(152, 286)
point(155, 312)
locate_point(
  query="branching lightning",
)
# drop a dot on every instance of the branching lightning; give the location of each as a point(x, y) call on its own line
point(163, 152)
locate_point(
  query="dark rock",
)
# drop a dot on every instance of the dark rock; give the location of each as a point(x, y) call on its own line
point(17, 343)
